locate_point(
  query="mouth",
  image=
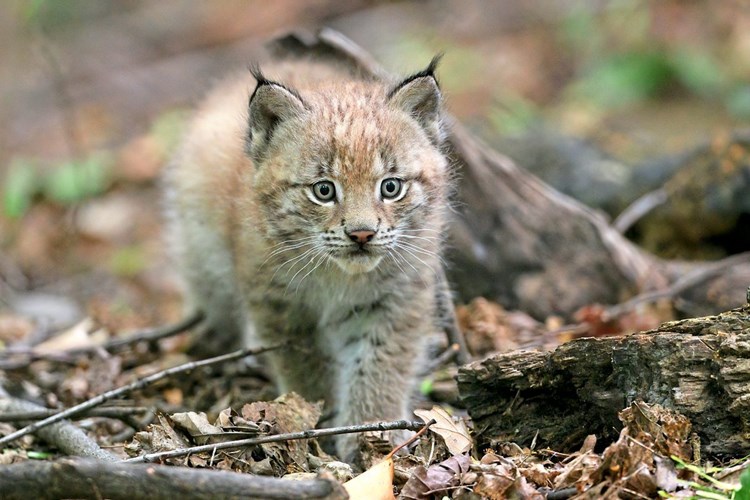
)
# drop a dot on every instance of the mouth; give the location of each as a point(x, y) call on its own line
point(358, 260)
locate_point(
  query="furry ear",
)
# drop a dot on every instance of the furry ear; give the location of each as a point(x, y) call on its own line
point(419, 96)
point(270, 105)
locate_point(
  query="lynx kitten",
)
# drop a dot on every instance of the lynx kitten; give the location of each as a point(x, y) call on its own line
point(315, 215)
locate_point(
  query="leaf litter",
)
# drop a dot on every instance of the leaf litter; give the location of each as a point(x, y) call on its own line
point(653, 455)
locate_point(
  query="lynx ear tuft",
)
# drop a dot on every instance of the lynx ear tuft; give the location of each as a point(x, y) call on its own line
point(270, 105)
point(419, 96)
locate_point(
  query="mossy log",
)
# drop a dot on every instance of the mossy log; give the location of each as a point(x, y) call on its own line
point(699, 367)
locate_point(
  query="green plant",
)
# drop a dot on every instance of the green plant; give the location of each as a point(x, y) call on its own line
point(21, 185)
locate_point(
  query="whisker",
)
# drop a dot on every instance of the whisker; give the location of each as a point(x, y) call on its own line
point(292, 261)
point(429, 239)
point(417, 248)
point(321, 259)
point(290, 247)
point(431, 268)
point(422, 251)
point(395, 261)
point(403, 230)
point(301, 242)
point(294, 240)
point(412, 266)
point(318, 252)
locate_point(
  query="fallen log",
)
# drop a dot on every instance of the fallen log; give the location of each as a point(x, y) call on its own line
point(86, 478)
point(699, 367)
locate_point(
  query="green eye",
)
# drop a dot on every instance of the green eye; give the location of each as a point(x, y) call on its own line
point(391, 188)
point(324, 191)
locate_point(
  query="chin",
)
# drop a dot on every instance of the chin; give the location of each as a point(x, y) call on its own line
point(358, 264)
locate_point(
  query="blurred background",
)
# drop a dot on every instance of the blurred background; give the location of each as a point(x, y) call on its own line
point(605, 100)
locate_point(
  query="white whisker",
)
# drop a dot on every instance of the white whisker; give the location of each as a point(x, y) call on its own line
point(323, 258)
point(407, 250)
point(310, 261)
point(293, 261)
point(404, 259)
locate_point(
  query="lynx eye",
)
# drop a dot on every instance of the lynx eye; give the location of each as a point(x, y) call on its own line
point(324, 191)
point(391, 188)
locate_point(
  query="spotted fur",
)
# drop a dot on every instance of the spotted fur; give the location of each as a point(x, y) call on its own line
point(267, 260)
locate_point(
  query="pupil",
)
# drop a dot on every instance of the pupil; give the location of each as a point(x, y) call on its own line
point(390, 186)
point(324, 189)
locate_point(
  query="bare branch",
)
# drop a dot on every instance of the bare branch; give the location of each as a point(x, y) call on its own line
point(117, 412)
point(678, 286)
point(308, 434)
point(154, 334)
point(67, 437)
point(638, 209)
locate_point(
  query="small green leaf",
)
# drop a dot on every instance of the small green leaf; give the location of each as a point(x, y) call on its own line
point(698, 72)
point(128, 261)
point(77, 180)
point(744, 492)
point(20, 188)
point(39, 455)
point(626, 78)
point(425, 388)
point(738, 102)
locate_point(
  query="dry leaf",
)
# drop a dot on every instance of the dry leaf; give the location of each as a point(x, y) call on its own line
point(196, 424)
point(455, 434)
point(373, 484)
point(80, 336)
point(423, 483)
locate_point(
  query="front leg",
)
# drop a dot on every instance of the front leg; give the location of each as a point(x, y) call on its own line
point(378, 353)
point(300, 366)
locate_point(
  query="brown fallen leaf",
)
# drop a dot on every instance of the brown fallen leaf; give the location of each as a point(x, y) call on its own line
point(454, 433)
point(376, 483)
point(425, 482)
point(197, 425)
point(82, 335)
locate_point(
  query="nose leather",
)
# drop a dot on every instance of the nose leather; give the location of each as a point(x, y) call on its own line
point(361, 236)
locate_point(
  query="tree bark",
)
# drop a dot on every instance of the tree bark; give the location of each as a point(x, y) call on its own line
point(85, 478)
point(699, 367)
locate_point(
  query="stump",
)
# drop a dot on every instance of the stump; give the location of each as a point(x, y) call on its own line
point(699, 367)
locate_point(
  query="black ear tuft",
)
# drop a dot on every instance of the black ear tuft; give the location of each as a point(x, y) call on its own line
point(419, 96)
point(429, 71)
point(271, 103)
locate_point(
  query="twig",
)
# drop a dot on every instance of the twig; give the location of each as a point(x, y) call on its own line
point(148, 335)
point(639, 208)
point(442, 359)
point(31, 356)
point(108, 412)
point(680, 285)
point(137, 384)
point(562, 494)
point(154, 334)
point(66, 437)
point(411, 439)
point(308, 434)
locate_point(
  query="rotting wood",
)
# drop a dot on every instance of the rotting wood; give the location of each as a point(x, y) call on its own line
point(699, 367)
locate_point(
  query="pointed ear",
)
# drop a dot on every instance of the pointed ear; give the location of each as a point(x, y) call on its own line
point(270, 105)
point(419, 96)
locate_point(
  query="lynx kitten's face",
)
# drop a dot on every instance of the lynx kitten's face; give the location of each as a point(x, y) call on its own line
point(350, 174)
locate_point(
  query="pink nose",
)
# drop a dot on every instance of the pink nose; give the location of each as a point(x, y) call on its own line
point(361, 236)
